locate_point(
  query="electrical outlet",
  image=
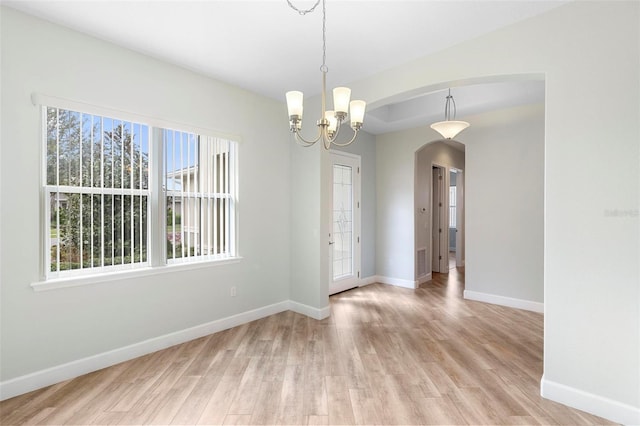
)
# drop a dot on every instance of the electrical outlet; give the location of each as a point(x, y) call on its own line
point(232, 291)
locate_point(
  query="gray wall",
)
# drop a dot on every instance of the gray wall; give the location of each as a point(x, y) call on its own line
point(505, 204)
point(45, 329)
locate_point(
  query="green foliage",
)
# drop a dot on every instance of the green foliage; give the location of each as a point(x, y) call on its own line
point(89, 151)
point(67, 265)
point(171, 221)
point(92, 151)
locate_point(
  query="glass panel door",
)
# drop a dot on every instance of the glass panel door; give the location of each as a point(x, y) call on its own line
point(342, 221)
point(344, 239)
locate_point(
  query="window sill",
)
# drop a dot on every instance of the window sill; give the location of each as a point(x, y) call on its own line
point(76, 281)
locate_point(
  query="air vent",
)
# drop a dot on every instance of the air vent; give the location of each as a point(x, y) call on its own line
point(421, 262)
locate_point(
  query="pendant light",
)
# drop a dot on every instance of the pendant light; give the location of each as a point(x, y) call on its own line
point(449, 128)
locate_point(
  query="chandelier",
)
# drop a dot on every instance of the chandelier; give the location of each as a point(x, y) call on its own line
point(449, 128)
point(330, 121)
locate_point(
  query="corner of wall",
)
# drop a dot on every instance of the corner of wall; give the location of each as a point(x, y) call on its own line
point(510, 302)
point(591, 403)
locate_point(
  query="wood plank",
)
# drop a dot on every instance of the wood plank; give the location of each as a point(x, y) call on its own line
point(339, 401)
point(218, 406)
point(291, 410)
point(366, 409)
point(248, 388)
point(237, 419)
point(317, 420)
point(192, 408)
point(267, 407)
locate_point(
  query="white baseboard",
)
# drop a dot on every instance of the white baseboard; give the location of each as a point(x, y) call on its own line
point(527, 305)
point(393, 281)
point(60, 373)
point(594, 404)
point(368, 281)
point(425, 278)
point(315, 313)
point(398, 282)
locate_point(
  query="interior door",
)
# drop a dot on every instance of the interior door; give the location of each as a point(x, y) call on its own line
point(440, 226)
point(344, 240)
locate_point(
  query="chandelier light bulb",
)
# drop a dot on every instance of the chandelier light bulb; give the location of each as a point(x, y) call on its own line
point(341, 96)
point(356, 109)
point(333, 121)
point(294, 103)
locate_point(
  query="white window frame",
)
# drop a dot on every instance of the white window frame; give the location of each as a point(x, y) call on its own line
point(156, 221)
point(218, 194)
point(102, 191)
point(453, 190)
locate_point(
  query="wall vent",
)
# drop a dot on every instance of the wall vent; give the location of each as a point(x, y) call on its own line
point(421, 262)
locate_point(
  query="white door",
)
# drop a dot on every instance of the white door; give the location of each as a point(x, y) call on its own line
point(344, 239)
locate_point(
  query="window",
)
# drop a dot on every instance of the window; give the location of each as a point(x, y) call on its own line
point(96, 191)
point(200, 198)
point(99, 201)
point(452, 206)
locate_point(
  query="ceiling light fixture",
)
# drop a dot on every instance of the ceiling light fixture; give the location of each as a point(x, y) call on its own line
point(330, 121)
point(449, 128)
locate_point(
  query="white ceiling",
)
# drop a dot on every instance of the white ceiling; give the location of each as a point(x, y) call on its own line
point(268, 48)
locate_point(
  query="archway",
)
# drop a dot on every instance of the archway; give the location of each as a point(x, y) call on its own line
point(431, 239)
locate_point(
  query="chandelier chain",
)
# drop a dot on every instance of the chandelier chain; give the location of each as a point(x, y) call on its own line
point(324, 67)
point(303, 11)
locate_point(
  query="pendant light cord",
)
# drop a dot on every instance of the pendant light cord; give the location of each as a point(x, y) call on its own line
point(324, 67)
point(447, 107)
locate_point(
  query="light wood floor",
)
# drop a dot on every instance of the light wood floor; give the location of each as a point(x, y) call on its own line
point(385, 356)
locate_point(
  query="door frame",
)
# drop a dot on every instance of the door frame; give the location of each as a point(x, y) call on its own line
point(354, 281)
point(459, 216)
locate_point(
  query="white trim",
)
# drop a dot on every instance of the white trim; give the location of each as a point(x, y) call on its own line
point(345, 154)
point(355, 162)
point(527, 305)
point(89, 108)
point(156, 261)
point(310, 311)
point(368, 281)
point(398, 282)
point(425, 278)
point(75, 281)
point(59, 373)
point(591, 403)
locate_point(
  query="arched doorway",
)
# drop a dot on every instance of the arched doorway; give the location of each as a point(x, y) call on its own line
point(433, 164)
